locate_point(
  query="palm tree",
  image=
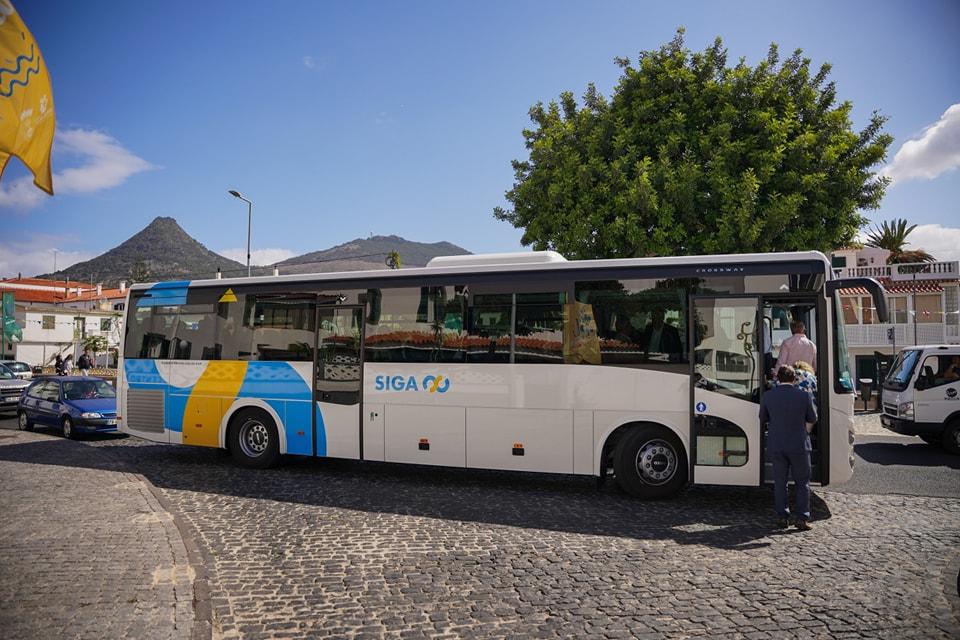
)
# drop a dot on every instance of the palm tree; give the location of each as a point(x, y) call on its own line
point(892, 236)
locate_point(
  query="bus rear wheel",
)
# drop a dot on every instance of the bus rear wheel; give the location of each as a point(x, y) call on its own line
point(253, 439)
point(650, 462)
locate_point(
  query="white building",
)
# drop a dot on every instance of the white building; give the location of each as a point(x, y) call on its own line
point(923, 301)
point(49, 330)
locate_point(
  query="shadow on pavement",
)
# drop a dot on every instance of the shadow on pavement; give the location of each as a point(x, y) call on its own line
point(917, 454)
point(722, 517)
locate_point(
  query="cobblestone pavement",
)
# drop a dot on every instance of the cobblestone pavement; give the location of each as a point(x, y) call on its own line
point(87, 551)
point(868, 424)
point(331, 548)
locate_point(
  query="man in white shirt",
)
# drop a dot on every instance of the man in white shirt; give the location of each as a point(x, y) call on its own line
point(797, 348)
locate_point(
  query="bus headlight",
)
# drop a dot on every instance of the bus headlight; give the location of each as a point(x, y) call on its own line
point(905, 410)
point(91, 415)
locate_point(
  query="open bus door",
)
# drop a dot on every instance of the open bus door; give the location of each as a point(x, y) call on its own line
point(726, 376)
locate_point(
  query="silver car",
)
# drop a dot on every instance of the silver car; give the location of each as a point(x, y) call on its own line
point(19, 369)
point(10, 388)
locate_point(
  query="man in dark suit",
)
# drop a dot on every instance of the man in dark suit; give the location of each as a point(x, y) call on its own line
point(791, 415)
point(660, 337)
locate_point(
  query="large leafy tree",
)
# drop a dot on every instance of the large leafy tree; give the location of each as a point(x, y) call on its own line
point(892, 236)
point(690, 155)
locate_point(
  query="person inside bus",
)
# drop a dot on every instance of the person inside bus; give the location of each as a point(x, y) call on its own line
point(624, 330)
point(806, 377)
point(790, 415)
point(797, 347)
point(660, 337)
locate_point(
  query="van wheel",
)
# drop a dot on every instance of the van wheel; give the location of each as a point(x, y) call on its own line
point(951, 437)
point(650, 462)
point(253, 439)
point(932, 440)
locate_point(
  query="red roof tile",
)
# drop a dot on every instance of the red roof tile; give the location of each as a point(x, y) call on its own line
point(48, 283)
point(34, 295)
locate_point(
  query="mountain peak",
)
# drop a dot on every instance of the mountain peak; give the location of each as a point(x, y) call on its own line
point(162, 250)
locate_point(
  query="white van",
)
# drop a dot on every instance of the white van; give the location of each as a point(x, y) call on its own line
point(921, 395)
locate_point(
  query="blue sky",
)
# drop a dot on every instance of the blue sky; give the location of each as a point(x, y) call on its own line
point(342, 119)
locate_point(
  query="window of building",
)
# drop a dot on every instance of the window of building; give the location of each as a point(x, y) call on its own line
point(49, 322)
point(867, 310)
point(851, 309)
point(928, 308)
point(897, 309)
point(638, 322)
point(105, 324)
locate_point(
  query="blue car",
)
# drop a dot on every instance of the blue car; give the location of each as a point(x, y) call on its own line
point(73, 404)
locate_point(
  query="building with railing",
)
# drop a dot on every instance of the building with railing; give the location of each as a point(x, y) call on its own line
point(923, 301)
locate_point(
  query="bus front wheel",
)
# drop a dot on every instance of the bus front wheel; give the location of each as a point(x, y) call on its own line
point(650, 462)
point(253, 439)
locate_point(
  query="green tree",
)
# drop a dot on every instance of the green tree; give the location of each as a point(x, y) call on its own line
point(393, 260)
point(892, 236)
point(96, 344)
point(690, 155)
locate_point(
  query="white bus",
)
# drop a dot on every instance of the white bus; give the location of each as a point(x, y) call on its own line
point(649, 370)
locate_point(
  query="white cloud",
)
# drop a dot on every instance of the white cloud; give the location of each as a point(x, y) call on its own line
point(34, 255)
point(258, 257)
point(936, 151)
point(104, 164)
point(943, 243)
point(309, 62)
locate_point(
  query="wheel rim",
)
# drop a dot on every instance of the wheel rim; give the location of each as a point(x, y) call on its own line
point(656, 462)
point(956, 438)
point(23, 422)
point(67, 428)
point(254, 438)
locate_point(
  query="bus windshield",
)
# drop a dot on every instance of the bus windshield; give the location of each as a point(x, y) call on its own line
point(901, 370)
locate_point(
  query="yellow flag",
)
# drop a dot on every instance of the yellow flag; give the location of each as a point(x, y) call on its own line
point(27, 123)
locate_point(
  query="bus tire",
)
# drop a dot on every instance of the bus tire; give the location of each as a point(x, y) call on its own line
point(650, 462)
point(951, 436)
point(253, 439)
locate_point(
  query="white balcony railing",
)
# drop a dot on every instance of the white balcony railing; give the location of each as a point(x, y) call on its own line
point(875, 335)
point(904, 272)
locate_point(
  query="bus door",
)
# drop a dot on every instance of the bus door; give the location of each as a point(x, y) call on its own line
point(726, 374)
point(779, 312)
point(338, 376)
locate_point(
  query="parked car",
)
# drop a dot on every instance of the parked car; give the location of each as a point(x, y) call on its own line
point(73, 404)
point(20, 369)
point(10, 389)
point(921, 395)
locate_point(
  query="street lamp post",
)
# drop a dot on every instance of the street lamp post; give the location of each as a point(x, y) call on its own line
point(236, 194)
